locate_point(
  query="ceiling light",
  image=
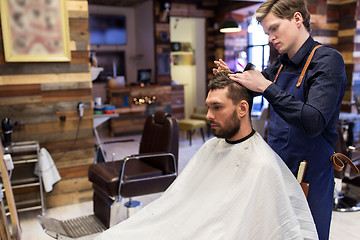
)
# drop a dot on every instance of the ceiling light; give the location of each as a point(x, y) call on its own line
point(230, 26)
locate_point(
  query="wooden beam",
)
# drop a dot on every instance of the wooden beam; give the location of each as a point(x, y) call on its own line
point(77, 9)
point(45, 78)
point(9, 197)
point(24, 90)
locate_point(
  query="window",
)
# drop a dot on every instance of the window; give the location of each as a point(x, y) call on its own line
point(259, 49)
point(259, 53)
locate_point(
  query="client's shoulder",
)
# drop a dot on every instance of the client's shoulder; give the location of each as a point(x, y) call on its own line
point(263, 153)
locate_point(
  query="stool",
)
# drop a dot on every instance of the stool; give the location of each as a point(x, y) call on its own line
point(200, 113)
point(191, 125)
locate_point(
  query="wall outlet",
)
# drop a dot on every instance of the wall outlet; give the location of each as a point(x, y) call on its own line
point(81, 109)
point(8, 162)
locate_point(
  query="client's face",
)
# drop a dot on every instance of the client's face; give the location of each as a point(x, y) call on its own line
point(222, 114)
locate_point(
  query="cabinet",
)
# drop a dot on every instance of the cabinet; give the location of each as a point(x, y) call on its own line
point(177, 101)
point(27, 187)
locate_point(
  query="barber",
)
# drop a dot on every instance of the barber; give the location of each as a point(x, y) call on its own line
point(305, 99)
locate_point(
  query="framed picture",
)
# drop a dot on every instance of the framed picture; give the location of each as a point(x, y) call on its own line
point(35, 30)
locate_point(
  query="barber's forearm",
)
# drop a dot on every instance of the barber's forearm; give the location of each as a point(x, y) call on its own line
point(312, 120)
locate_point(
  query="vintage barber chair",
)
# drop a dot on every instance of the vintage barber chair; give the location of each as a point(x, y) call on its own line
point(346, 200)
point(150, 171)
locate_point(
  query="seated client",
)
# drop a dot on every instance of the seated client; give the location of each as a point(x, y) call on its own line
point(234, 187)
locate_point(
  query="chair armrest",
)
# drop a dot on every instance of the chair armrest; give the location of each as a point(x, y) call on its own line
point(353, 148)
point(149, 155)
point(118, 141)
point(349, 172)
point(145, 155)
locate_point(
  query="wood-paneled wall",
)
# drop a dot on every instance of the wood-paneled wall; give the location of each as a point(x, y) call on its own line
point(334, 23)
point(36, 95)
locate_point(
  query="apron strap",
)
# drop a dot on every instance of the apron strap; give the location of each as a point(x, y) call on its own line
point(306, 66)
point(338, 159)
point(278, 72)
point(303, 70)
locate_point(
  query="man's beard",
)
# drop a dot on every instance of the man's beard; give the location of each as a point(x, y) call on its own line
point(229, 128)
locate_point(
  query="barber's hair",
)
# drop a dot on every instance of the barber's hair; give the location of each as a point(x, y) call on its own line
point(236, 92)
point(284, 9)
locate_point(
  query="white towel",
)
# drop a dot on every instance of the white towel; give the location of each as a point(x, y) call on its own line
point(46, 168)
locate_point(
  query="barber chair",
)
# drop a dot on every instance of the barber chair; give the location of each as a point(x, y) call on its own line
point(346, 200)
point(150, 171)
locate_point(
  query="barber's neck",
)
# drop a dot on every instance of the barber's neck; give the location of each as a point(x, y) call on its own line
point(301, 39)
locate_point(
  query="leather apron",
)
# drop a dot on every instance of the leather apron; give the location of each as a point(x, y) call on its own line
point(294, 146)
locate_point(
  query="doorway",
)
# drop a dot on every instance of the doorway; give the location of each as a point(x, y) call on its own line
point(188, 65)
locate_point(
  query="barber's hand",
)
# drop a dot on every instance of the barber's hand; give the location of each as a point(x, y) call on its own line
point(252, 80)
point(221, 66)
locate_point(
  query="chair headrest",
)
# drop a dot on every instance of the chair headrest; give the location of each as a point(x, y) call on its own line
point(159, 117)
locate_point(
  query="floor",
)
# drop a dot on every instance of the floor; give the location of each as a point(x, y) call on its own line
point(345, 225)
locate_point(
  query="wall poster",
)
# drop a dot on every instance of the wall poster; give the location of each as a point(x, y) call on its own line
point(35, 30)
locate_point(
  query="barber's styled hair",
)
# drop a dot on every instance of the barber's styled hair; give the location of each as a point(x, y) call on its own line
point(236, 92)
point(284, 9)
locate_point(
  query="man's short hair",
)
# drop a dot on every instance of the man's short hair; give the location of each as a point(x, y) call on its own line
point(236, 92)
point(284, 9)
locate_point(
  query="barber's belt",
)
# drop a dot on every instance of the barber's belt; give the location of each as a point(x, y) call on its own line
point(338, 159)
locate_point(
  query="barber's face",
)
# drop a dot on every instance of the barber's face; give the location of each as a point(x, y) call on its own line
point(283, 33)
point(222, 114)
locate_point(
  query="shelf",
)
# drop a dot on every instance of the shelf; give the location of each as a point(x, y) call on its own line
point(30, 208)
point(182, 53)
point(20, 147)
point(24, 157)
point(17, 162)
point(27, 187)
point(25, 183)
point(23, 206)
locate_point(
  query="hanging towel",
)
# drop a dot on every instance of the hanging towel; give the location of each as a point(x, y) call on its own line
point(46, 168)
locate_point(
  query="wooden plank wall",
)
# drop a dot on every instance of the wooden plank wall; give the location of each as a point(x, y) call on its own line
point(36, 95)
point(334, 23)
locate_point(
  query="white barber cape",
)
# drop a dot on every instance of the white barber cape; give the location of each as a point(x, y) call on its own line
point(226, 191)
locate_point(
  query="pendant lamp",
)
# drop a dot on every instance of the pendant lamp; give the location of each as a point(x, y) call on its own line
point(230, 26)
